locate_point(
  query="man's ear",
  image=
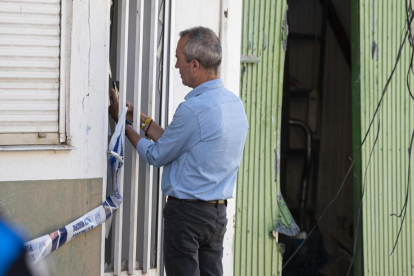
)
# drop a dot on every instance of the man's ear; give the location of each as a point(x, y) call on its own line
point(195, 65)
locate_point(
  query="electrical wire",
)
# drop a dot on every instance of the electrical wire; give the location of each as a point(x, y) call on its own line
point(403, 211)
point(321, 216)
point(404, 208)
point(364, 181)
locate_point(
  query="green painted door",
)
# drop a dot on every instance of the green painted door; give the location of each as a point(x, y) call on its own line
point(260, 208)
point(384, 157)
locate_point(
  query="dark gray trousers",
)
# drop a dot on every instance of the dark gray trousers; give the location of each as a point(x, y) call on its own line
point(193, 238)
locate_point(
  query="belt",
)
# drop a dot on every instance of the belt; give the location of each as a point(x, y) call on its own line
point(219, 201)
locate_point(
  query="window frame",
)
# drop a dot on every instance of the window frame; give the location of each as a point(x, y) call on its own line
point(51, 140)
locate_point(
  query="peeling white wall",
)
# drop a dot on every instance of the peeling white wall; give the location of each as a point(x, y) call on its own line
point(87, 105)
point(231, 16)
point(188, 14)
point(207, 13)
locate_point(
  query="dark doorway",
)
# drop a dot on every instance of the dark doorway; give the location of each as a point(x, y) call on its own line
point(317, 136)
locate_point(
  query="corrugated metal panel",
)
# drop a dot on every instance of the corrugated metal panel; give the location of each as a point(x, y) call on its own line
point(385, 178)
point(29, 70)
point(259, 204)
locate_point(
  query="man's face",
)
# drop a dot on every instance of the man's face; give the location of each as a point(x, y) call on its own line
point(182, 64)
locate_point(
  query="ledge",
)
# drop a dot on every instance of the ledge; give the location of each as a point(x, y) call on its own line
point(37, 148)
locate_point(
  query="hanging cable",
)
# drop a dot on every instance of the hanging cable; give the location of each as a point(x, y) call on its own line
point(404, 208)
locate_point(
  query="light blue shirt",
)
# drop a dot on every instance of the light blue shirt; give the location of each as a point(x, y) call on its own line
point(202, 148)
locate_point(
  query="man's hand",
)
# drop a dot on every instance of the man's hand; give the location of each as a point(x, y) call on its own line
point(113, 109)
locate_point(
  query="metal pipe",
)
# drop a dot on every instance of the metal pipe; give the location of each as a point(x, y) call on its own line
point(306, 171)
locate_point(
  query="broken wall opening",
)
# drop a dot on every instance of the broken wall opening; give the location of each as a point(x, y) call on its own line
point(317, 136)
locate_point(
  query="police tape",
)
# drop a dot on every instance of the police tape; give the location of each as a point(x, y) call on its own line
point(39, 248)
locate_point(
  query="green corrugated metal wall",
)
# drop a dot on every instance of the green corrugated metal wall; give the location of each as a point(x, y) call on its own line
point(380, 32)
point(258, 211)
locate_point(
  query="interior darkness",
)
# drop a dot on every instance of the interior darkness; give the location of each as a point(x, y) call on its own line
point(317, 136)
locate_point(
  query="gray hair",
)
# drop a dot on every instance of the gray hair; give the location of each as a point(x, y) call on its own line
point(202, 45)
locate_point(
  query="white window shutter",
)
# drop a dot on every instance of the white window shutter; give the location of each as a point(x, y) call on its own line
point(30, 39)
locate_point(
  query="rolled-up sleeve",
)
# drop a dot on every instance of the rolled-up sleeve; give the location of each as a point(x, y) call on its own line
point(181, 135)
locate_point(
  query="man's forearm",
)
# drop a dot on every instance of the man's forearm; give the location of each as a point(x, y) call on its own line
point(154, 132)
point(132, 135)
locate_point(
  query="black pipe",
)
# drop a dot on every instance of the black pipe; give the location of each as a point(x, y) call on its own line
point(306, 171)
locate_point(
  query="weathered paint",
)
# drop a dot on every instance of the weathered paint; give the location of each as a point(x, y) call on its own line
point(87, 96)
point(258, 209)
point(230, 36)
point(384, 174)
point(86, 105)
point(40, 207)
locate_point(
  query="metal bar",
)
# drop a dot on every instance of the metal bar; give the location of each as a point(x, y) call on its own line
point(171, 65)
point(62, 79)
point(305, 175)
point(133, 219)
point(151, 112)
point(165, 77)
point(122, 55)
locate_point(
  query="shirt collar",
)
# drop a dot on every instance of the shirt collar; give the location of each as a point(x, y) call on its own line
point(208, 85)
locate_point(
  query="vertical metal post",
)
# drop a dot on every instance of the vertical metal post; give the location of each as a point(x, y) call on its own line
point(171, 64)
point(122, 55)
point(133, 219)
point(356, 135)
point(151, 112)
point(165, 77)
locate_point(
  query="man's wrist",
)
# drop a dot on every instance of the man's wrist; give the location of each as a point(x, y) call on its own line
point(146, 123)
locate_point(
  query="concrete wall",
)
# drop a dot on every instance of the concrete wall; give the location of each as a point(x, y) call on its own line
point(42, 180)
point(188, 14)
point(41, 207)
point(44, 190)
point(87, 105)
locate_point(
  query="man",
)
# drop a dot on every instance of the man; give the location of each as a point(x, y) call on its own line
point(201, 152)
